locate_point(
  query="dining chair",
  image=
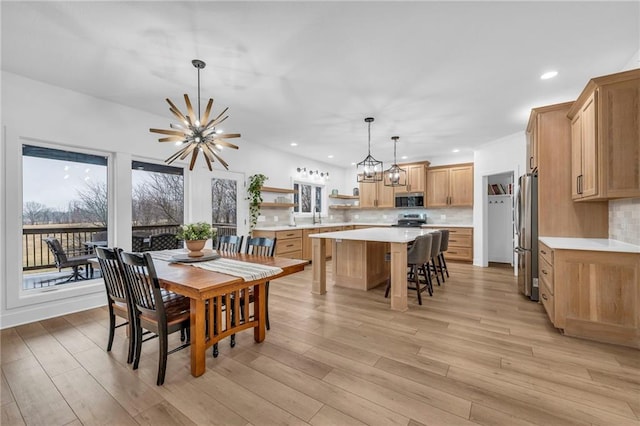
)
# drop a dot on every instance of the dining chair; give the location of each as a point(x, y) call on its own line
point(161, 312)
point(164, 241)
point(262, 246)
point(418, 255)
point(118, 297)
point(63, 260)
point(230, 243)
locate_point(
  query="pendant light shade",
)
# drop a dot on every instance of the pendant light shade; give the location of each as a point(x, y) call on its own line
point(394, 175)
point(369, 170)
point(196, 133)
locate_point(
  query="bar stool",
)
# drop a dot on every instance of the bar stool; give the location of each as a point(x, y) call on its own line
point(418, 256)
point(435, 251)
point(444, 246)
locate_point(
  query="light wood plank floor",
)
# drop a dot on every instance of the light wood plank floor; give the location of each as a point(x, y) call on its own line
point(475, 353)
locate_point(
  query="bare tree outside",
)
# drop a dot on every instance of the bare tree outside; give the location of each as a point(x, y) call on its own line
point(223, 201)
point(158, 199)
point(93, 203)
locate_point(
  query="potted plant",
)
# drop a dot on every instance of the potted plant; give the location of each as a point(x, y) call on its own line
point(195, 236)
point(255, 198)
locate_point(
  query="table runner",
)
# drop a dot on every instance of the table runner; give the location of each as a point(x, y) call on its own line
point(246, 270)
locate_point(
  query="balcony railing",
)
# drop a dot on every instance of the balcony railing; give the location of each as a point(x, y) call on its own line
point(36, 255)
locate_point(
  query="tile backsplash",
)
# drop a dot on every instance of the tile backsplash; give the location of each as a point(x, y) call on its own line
point(624, 220)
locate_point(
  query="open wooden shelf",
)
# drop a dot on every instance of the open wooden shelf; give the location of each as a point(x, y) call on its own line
point(345, 197)
point(267, 204)
point(279, 190)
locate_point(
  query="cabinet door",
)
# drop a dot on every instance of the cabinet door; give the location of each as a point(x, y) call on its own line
point(532, 148)
point(416, 177)
point(368, 194)
point(437, 188)
point(589, 180)
point(386, 195)
point(461, 186)
point(307, 250)
point(576, 156)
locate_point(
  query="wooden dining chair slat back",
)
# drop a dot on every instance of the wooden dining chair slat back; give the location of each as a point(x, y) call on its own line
point(262, 246)
point(119, 300)
point(159, 311)
point(230, 243)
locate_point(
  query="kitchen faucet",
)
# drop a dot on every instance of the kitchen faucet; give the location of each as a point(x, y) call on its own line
point(314, 216)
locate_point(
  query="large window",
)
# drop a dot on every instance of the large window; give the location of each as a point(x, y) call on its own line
point(64, 197)
point(224, 205)
point(157, 198)
point(308, 197)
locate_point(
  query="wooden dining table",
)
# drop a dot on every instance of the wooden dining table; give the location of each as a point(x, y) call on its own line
point(206, 288)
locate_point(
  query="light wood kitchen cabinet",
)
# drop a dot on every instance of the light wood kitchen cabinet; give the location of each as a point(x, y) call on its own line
point(307, 247)
point(532, 148)
point(289, 243)
point(416, 178)
point(460, 243)
point(592, 294)
point(330, 243)
point(376, 195)
point(606, 138)
point(558, 214)
point(450, 186)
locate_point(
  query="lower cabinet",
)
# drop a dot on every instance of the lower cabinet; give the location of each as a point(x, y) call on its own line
point(592, 294)
point(307, 251)
point(289, 243)
point(460, 243)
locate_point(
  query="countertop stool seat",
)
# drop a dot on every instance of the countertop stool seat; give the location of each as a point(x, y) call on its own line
point(444, 246)
point(435, 251)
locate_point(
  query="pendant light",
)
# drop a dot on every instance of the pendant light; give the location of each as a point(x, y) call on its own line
point(369, 170)
point(195, 134)
point(394, 175)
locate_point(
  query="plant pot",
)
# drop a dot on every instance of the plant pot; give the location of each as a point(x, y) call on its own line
point(195, 247)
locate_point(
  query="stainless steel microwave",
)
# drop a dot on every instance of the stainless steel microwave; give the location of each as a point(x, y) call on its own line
point(410, 200)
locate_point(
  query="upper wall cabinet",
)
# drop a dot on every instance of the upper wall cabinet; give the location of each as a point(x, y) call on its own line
point(416, 178)
point(605, 138)
point(376, 194)
point(450, 186)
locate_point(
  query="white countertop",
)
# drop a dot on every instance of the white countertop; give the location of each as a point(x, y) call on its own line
point(383, 235)
point(329, 225)
point(591, 244)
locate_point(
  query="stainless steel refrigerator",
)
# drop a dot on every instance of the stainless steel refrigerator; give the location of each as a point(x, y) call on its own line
point(526, 222)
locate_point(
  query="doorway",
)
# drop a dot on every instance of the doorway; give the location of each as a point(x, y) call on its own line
point(228, 206)
point(500, 216)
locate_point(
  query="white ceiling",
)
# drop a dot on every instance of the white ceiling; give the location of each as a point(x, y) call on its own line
point(441, 75)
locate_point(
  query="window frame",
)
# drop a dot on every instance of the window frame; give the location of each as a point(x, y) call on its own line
point(16, 295)
point(323, 197)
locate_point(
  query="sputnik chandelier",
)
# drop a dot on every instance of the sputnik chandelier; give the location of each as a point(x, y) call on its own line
point(194, 133)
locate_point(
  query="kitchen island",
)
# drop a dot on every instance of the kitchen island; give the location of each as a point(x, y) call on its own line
point(358, 260)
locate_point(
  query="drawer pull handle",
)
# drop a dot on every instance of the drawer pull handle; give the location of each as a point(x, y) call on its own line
point(544, 272)
point(544, 296)
point(543, 252)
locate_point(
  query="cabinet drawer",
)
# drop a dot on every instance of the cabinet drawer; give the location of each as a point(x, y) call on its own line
point(459, 253)
point(288, 245)
point(284, 235)
point(331, 229)
point(546, 297)
point(292, 254)
point(546, 273)
point(459, 231)
point(546, 253)
point(459, 240)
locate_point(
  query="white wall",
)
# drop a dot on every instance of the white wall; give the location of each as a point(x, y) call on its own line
point(504, 155)
point(37, 113)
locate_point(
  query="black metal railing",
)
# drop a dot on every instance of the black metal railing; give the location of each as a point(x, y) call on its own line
point(36, 254)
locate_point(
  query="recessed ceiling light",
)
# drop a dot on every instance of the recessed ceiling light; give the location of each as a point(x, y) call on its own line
point(456, 150)
point(404, 157)
point(549, 74)
point(330, 156)
point(353, 164)
point(293, 144)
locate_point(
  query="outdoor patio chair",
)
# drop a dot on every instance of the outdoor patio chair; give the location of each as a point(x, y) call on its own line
point(74, 262)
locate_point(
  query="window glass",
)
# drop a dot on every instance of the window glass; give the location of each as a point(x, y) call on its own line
point(224, 207)
point(157, 198)
point(65, 200)
point(308, 197)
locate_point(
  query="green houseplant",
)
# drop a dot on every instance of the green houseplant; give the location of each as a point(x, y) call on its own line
point(255, 197)
point(195, 236)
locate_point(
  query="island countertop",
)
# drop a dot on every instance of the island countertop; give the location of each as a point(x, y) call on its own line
point(385, 235)
point(589, 244)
